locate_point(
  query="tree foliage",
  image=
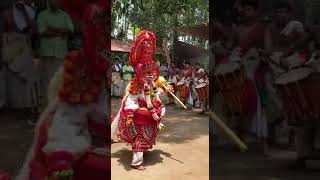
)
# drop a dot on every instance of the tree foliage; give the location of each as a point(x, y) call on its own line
point(159, 16)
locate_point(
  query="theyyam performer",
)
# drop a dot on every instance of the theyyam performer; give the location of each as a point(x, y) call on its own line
point(141, 113)
point(64, 145)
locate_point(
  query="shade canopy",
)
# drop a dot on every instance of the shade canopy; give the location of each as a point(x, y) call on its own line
point(199, 31)
point(186, 51)
point(125, 47)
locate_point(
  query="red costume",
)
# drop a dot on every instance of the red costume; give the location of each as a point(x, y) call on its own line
point(185, 83)
point(254, 39)
point(141, 111)
point(71, 128)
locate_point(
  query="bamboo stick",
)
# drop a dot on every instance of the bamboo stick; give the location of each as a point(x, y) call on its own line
point(220, 124)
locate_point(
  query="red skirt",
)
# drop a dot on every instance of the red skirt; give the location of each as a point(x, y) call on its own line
point(93, 166)
point(141, 136)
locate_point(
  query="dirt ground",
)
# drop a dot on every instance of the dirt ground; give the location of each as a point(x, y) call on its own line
point(15, 139)
point(230, 164)
point(181, 150)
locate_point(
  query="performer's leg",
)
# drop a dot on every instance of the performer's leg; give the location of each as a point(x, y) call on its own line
point(301, 147)
point(310, 139)
point(203, 106)
point(137, 160)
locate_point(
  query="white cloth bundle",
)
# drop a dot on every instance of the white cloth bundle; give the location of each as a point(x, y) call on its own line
point(292, 26)
point(19, 16)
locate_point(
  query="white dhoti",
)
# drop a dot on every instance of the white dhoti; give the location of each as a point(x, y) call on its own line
point(117, 85)
point(116, 89)
point(259, 124)
point(48, 67)
point(19, 92)
point(19, 75)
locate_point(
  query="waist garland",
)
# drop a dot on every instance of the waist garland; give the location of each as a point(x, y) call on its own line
point(80, 86)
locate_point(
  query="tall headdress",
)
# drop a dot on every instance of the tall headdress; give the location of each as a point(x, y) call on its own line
point(142, 52)
point(94, 16)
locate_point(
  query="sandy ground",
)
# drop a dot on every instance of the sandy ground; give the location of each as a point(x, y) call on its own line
point(15, 139)
point(181, 150)
point(227, 163)
point(230, 164)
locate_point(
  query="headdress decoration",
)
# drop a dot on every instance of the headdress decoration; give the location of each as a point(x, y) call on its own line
point(85, 71)
point(142, 52)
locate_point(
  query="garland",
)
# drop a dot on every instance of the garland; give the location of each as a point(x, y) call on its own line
point(79, 87)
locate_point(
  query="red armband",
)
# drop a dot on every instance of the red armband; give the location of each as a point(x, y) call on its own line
point(129, 112)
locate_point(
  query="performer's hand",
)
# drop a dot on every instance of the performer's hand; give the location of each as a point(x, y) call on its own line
point(161, 126)
point(129, 122)
point(170, 89)
point(156, 117)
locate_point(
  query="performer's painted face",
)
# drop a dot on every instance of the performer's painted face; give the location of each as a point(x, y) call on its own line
point(149, 73)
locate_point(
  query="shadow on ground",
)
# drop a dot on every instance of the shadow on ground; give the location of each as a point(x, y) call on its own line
point(180, 126)
point(230, 164)
point(151, 158)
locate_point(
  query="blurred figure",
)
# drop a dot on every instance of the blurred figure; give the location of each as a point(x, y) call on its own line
point(223, 39)
point(127, 73)
point(117, 86)
point(201, 86)
point(173, 78)
point(118, 66)
point(164, 70)
point(55, 27)
point(250, 38)
point(285, 37)
point(286, 41)
point(184, 85)
point(73, 125)
point(19, 68)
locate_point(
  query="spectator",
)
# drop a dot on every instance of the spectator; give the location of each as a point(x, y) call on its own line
point(127, 72)
point(118, 66)
point(17, 57)
point(117, 82)
point(54, 28)
point(164, 70)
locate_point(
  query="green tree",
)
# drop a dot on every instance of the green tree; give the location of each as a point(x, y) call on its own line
point(159, 16)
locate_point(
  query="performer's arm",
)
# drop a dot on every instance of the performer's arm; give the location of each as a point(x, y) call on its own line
point(131, 105)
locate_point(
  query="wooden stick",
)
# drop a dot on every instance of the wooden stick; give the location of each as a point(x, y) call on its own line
point(162, 82)
point(179, 101)
point(220, 124)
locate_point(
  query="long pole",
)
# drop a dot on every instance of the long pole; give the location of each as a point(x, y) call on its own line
point(162, 83)
point(220, 124)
